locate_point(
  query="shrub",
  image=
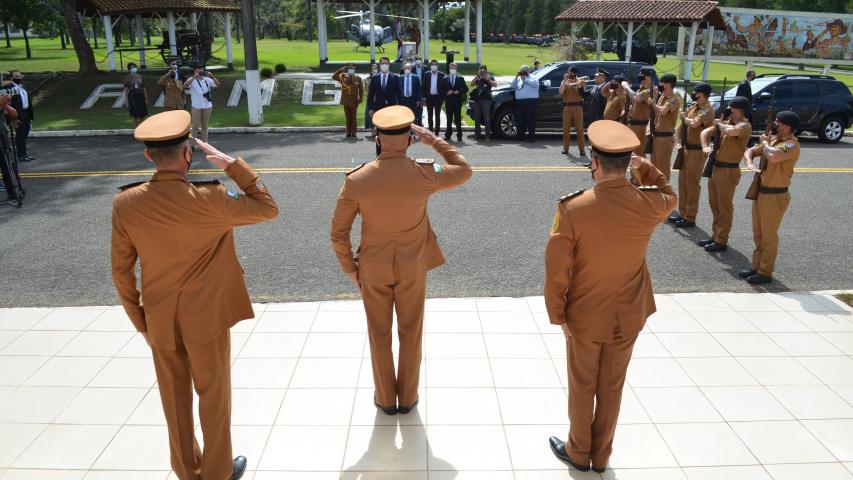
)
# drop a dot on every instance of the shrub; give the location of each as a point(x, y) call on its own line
point(266, 72)
point(280, 68)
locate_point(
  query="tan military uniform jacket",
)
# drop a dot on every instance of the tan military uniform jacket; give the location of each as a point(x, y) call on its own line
point(182, 234)
point(615, 104)
point(778, 174)
point(174, 95)
point(352, 88)
point(641, 110)
point(666, 123)
point(705, 114)
point(391, 194)
point(732, 148)
point(595, 262)
point(571, 94)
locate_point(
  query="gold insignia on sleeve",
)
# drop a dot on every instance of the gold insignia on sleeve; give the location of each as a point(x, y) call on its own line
point(556, 224)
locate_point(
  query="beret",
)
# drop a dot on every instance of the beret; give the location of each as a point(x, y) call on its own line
point(702, 87)
point(573, 69)
point(788, 117)
point(619, 78)
point(668, 78)
point(739, 102)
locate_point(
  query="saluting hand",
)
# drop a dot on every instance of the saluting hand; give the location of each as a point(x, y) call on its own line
point(214, 156)
point(424, 135)
point(636, 161)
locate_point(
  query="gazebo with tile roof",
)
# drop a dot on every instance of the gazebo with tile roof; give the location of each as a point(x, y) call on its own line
point(684, 13)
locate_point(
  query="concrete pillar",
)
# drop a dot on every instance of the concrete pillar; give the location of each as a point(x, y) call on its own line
point(253, 76)
point(425, 31)
point(629, 42)
point(467, 39)
point(140, 40)
point(709, 46)
point(108, 34)
point(372, 6)
point(229, 47)
point(749, 65)
point(322, 40)
point(826, 69)
point(194, 20)
point(654, 39)
point(479, 31)
point(599, 29)
point(688, 65)
point(170, 20)
point(679, 48)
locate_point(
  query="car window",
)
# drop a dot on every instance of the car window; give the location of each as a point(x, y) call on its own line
point(806, 90)
point(587, 70)
point(556, 75)
point(833, 88)
point(783, 90)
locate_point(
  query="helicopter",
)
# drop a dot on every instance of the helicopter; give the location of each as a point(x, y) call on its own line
point(360, 33)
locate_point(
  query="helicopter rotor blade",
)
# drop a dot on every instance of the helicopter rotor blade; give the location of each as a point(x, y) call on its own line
point(346, 16)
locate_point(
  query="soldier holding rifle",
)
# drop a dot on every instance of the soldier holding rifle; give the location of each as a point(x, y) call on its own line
point(666, 112)
point(697, 118)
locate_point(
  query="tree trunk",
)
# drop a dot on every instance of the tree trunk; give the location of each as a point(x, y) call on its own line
point(27, 43)
point(8, 40)
point(94, 30)
point(147, 29)
point(308, 20)
point(85, 56)
point(205, 33)
point(237, 27)
point(507, 8)
point(62, 40)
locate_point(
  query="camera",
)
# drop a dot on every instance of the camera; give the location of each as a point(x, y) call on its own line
point(207, 96)
point(10, 91)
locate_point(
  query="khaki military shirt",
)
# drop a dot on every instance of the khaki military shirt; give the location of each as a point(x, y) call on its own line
point(778, 174)
point(352, 88)
point(595, 261)
point(572, 94)
point(705, 114)
point(615, 104)
point(641, 110)
point(182, 234)
point(391, 194)
point(666, 122)
point(174, 94)
point(732, 148)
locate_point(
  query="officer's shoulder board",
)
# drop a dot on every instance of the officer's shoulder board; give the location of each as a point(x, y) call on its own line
point(649, 188)
point(570, 196)
point(424, 161)
point(131, 185)
point(356, 169)
point(205, 182)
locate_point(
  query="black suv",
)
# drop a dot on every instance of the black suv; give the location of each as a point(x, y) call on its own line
point(824, 104)
point(549, 113)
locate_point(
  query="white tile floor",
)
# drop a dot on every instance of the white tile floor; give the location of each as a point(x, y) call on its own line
point(722, 386)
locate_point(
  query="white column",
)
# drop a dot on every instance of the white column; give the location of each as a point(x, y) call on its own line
point(425, 41)
point(193, 20)
point(826, 69)
point(599, 28)
point(467, 33)
point(688, 65)
point(321, 32)
point(229, 47)
point(108, 34)
point(170, 19)
point(372, 5)
point(679, 49)
point(140, 40)
point(709, 46)
point(654, 36)
point(479, 31)
point(749, 65)
point(629, 42)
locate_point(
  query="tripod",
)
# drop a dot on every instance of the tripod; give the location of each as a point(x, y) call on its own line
point(15, 192)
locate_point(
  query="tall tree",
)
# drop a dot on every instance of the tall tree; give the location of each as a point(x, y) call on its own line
point(85, 56)
point(507, 16)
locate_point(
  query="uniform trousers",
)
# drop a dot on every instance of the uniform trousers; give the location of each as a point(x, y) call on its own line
point(767, 213)
point(206, 367)
point(406, 296)
point(689, 184)
point(662, 154)
point(640, 132)
point(721, 194)
point(200, 119)
point(573, 117)
point(597, 373)
point(433, 103)
point(351, 118)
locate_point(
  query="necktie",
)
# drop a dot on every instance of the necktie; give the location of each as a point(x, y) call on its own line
point(408, 86)
point(383, 81)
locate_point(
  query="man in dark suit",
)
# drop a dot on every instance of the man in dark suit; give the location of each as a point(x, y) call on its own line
point(410, 86)
point(744, 89)
point(22, 103)
point(432, 81)
point(384, 91)
point(453, 90)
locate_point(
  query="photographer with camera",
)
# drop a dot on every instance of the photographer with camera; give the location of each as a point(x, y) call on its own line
point(7, 155)
point(481, 93)
point(22, 103)
point(174, 93)
point(526, 90)
point(201, 85)
point(135, 95)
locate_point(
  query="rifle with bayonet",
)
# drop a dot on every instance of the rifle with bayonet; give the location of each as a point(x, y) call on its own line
point(625, 108)
point(653, 112)
point(752, 193)
point(682, 133)
point(718, 138)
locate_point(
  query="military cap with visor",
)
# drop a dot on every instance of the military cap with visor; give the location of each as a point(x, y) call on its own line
point(612, 138)
point(164, 129)
point(394, 120)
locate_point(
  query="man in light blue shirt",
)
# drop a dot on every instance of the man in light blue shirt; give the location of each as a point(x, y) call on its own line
point(526, 90)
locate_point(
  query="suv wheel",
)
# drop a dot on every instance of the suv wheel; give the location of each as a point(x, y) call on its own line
point(831, 130)
point(505, 121)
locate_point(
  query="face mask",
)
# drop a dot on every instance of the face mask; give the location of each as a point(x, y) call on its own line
point(433, 68)
point(132, 69)
point(374, 71)
point(384, 67)
point(695, 97)
point(453, 71)
point(351, 71)
point(16, 81)
point(407, 71)
point(418, 63)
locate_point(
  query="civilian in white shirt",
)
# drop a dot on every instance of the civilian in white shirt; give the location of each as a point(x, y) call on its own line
point(201, 86)
point(22, 103)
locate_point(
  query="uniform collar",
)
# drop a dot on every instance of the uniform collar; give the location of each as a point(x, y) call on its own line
point(160, 176)
point(612, 183)
point(390, 156)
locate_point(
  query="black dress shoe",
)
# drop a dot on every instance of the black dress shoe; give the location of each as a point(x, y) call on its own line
point(746, 273)
point(559, 448)
point(387, 410)
point(759, 279)
point(239, 468)
point(587, 165)
point(23, 159)
point(459, 138)
point(599, 469)
point(716, 247)
point(704, 243)
point(447, 138)
point(404, 410)
point(684, 223)
point(582, 153)
point(29, 158)
point(673, 218)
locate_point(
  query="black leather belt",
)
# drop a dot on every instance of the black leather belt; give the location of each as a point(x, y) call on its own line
point(663, 134)
point(691, 146)
point(726, 165)
point(638, 122)
point(572, 104)
point(773, 190)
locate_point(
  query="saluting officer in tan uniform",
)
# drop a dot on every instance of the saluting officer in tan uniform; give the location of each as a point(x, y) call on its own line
point(597, 285)
point(734, 135)
point(666, 112)
point(398, 246)
point(572, 92)
point(193, 289)
point(641, 110)
point(615, 98)
point(781, 152)
point(352, 92)
point(697, 118)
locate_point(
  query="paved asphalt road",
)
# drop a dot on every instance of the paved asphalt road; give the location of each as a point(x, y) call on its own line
point(55, 250)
